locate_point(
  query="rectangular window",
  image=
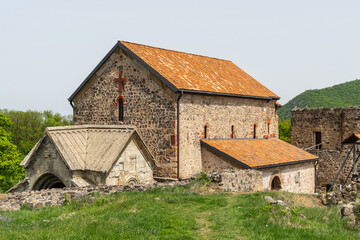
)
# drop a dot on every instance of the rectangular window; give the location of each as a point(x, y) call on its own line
point(317, 140)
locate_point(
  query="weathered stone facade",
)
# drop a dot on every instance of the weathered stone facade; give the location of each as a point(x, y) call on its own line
point(334, 124)
point(219, 114)
point(297, 178)
point(152, 108)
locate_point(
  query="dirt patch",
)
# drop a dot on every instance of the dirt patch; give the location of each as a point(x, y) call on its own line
point(303, 200)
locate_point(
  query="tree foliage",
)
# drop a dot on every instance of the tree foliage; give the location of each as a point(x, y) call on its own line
point(342, 95)
point(29, 126)
point(10, 171)
point(285, 130)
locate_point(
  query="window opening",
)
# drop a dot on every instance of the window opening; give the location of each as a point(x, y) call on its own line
point(254, 135)
point(317, 140)
point(121, 110)
point(205, 131)
point(232, 131)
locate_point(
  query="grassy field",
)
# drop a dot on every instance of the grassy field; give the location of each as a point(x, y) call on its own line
point(178, 213)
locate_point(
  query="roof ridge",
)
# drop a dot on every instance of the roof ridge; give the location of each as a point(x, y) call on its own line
point(176, 51)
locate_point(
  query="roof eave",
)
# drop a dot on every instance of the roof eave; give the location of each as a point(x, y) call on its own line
point(229, 95)
point(284, 164)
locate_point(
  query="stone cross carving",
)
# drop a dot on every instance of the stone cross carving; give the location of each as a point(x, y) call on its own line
point(121, 80)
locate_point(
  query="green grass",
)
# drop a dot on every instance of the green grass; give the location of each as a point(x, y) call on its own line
point(175, 213)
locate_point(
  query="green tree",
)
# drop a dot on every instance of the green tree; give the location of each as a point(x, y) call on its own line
point(29, 126)
point(10, 171)
point(285, 130)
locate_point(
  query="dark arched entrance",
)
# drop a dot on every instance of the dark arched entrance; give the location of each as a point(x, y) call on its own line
point(276, 183)
point(48, 181)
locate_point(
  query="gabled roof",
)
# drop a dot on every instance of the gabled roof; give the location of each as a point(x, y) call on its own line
point(89, 147)
point(352, 139)
point(258, 153)
point(187, 72)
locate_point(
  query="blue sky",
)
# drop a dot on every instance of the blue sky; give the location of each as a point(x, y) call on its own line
point(47, 48)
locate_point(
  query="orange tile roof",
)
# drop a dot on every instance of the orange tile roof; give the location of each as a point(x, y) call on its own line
point(353, 138)
point(199, 73)
point(258, 153)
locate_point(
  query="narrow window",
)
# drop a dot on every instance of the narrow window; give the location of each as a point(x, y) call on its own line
point(254, 135)
point(317, 140)
point(232, 131)
point(121, 110)
point(205, 131)
point(268, 129)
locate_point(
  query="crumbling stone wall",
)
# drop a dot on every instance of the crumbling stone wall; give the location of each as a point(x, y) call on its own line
point(219, 114)
point(150, 106)
point(335, 124)
point(329, 165)
point(239, 180)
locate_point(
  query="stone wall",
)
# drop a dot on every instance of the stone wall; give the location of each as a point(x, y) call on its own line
point(131, 167)
point(329, 165)
point(48, 161)
point(296, 178)
point(335, 124)
point(239, 180)
point(150, 106)
point(219, 114)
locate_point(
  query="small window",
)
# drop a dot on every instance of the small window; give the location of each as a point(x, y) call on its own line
point(268, 128)
point(232, 131)
point(121, 110)
point(317, 140)
point(205, 131)
point(254, 134)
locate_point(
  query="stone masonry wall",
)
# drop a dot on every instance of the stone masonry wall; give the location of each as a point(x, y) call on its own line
point(150, 106)
point(329, 165)
point(238, 180)
point(335, 124)
point(296, 178)
point(219, 114)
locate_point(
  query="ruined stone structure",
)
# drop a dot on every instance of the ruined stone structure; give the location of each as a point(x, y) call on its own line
point(326, 128)
point(87, 155)
point(175, 99)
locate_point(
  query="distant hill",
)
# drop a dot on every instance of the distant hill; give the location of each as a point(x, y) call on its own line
point(342, 95)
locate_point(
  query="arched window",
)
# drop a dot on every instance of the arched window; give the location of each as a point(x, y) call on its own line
point(121, 109)
point(232, 131)
point(205, 131)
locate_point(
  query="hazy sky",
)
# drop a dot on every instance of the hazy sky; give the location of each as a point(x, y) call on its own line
point(47, 48)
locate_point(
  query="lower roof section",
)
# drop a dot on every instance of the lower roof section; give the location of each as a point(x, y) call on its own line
point(258, 153)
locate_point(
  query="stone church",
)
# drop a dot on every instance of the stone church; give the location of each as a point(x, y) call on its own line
point(194, 113)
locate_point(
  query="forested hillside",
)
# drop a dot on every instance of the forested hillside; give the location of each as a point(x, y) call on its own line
point(342, 95)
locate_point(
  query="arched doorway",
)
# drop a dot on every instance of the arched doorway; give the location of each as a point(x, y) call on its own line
point(276, 183)
point(48, 181)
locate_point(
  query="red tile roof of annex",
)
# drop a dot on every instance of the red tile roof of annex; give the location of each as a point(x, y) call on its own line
point(258, 153)
point(199, 73)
